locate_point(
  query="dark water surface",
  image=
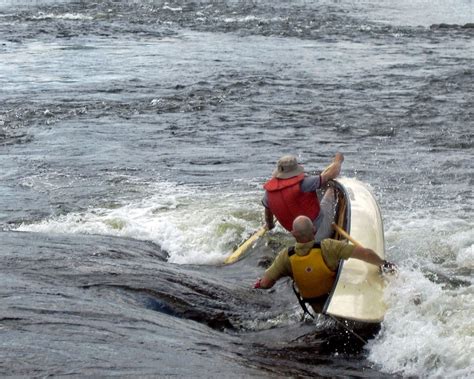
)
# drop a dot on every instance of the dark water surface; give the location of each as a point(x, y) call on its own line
point(134, 139)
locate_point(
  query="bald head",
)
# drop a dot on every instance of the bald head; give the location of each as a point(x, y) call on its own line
point(303, 229)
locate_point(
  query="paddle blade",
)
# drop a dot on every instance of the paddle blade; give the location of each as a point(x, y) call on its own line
point(244, 247)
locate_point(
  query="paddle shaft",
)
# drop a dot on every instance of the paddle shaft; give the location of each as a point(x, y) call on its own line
point(343, 233)
point(243, 248)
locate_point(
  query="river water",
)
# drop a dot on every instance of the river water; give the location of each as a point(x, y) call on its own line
point(134, 140)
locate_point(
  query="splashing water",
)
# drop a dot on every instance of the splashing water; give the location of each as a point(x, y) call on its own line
point(192, 225)
point(428, 329)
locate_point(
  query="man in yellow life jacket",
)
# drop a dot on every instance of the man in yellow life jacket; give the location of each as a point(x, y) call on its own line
point(313, 265)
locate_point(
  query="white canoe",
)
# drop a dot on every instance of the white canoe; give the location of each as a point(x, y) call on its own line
point(358, 292)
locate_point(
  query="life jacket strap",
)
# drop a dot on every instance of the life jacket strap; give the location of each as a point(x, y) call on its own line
point(291, 251)
point(301, 301)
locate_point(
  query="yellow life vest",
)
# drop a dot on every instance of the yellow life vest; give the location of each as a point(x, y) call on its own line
point(310, 273)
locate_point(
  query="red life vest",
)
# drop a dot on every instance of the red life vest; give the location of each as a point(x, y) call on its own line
point(286, 200)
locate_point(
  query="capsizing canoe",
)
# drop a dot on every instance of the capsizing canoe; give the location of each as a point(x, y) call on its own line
point(357, 294)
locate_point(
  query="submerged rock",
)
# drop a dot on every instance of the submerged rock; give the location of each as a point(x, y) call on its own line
point(469, 25)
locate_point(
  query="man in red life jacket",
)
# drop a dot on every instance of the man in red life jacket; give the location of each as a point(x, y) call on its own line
point(290, 193)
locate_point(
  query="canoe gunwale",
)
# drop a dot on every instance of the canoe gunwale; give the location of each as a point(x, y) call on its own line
point(357, 293)
point(346, 227)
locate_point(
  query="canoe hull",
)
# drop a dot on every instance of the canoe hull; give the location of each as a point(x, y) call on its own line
point(357, 294)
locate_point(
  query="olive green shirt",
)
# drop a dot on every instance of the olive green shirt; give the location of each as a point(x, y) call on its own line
point(332, 251)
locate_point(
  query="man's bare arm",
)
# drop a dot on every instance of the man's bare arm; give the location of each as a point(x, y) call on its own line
point(333, 170)
point(269, 219)
point(367, 255)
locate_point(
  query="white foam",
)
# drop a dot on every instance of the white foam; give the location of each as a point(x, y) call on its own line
point(251, 18)
point(463, 243)
point(240, 19)
point(427, 331)
point(428, 328)
point(192, 226)
point(64, 16)
point(175, 9)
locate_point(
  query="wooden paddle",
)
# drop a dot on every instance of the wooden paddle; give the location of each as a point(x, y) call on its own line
point(243, 248)
point(346, 235)
point(386, 267)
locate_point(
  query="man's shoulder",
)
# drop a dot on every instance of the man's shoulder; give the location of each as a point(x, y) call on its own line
point(330, 244)
point(309, 179)
point(286, 252)
point(340, 249)
point(327, 241)
point(280, 267)
point(310, 183)
point(283, 257)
